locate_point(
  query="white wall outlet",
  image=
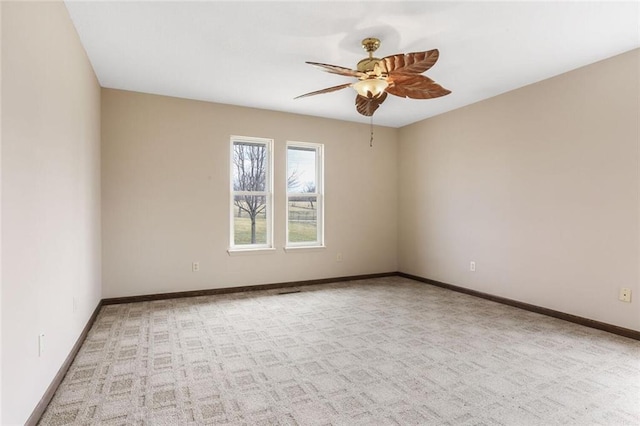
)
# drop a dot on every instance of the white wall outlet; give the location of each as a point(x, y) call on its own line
point(472, 266)
point(195, 267)
point(339, 257)
point(75, 305)
point(40, 344)
point(625, 295)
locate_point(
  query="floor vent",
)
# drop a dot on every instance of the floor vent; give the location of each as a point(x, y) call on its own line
point(289, 292)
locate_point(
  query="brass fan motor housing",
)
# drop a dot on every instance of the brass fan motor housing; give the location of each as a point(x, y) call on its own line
point(367, 64)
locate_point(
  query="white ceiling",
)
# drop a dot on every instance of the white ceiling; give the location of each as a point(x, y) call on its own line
point(253, 53)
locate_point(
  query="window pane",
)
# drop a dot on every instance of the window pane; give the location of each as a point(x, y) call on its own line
point(249, 166)
point(303, 219)
point(250, 219)
point(301, 169)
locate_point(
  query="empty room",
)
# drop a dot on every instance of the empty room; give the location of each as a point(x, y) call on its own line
point(320, 213)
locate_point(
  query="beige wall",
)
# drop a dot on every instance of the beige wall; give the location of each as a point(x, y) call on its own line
point(50, 198)
point(0, 215)
point(539, 186)
point(165, 193)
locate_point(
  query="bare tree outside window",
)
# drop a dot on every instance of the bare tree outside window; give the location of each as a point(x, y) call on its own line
point(310, 187)
point(250, 176)
point(251, 187)
point(293, 180)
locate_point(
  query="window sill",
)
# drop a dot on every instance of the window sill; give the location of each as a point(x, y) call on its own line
point(297, 249)
point(251, 251)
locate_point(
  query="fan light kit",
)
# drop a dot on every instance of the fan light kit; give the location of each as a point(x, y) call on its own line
point(370, 87)
point(399, 75)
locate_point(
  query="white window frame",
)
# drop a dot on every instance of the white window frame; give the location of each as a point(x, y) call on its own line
point(267, 193)
point(319, 194)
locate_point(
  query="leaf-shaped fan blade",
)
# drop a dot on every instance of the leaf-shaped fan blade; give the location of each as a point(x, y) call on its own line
point(335, 69)
point(415, 87)
point(327, 90)
point(409, 63)
point(367, 106)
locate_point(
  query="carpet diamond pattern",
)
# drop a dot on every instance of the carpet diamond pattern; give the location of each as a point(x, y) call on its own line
point(386, 351)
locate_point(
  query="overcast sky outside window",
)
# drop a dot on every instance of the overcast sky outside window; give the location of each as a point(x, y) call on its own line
point(302, 162)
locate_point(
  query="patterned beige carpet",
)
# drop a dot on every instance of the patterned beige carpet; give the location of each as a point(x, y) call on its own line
point(388, 351)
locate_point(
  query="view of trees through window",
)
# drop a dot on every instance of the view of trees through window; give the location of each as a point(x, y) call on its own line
point(252, 193)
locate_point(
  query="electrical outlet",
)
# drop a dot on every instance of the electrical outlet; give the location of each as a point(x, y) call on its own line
point(625, 295)
point(75, 305)
point(472, 266)
point(195, 267)
point(339, 257)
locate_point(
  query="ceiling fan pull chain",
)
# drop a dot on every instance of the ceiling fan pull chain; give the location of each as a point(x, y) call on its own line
point(371, 140)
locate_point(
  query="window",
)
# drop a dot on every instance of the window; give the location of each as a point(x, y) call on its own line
point(251, 193)
point(305, 206)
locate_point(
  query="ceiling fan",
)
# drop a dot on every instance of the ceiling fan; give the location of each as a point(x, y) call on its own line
point(399, 75)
